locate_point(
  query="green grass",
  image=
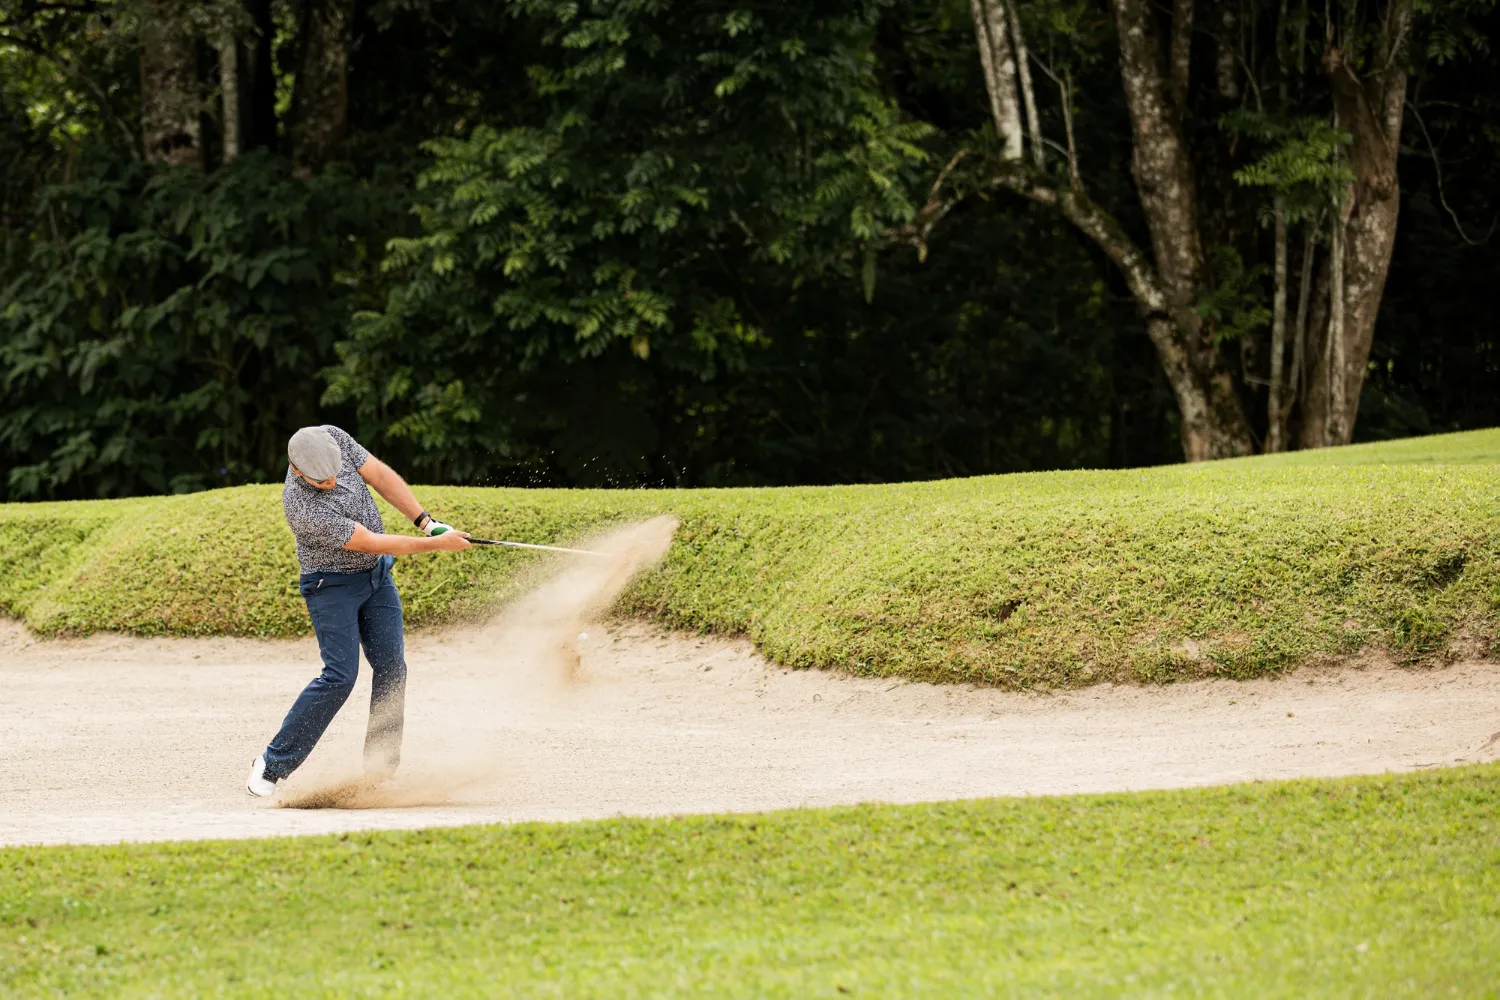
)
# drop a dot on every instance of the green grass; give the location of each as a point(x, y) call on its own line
point(1385, 886)
point(1469, 447)
point(1230, 569)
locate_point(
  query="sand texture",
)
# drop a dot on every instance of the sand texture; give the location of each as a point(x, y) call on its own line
point(113, 738)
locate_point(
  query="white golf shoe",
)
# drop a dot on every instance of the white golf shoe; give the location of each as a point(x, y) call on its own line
point(258, 784)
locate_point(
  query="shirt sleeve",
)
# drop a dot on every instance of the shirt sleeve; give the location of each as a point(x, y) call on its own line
point(352, 450)
point(321, 527)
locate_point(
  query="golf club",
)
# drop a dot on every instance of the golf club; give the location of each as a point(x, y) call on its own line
point(540, 548)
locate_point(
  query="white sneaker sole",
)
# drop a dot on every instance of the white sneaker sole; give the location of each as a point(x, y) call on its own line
point(257, 785)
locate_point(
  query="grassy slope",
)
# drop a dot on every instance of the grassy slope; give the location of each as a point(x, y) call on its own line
point(1467, 448)
point(1234, 568)
point(1376, 886)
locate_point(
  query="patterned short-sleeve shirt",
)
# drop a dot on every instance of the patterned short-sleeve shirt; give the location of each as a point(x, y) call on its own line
point(323, 520)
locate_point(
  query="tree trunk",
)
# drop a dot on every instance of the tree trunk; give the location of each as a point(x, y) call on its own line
point(1335, 355)
point(1226, 63)
point(320, 99)
point(1299, 335)
point(1168, 192)
point(1330, 345)
point(1276, 406)
point(1213, 423)
point(1204, 431)
point(999, 65)
point(1369, 242)
point(1370, 109)
point(235, 95)
point(1028, 92)
point(171, 102)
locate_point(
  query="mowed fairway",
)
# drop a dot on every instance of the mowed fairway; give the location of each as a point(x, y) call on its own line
point(1363, 886)
point(1360, 887)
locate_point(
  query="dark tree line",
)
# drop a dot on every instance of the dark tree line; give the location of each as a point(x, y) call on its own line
point(635, 242)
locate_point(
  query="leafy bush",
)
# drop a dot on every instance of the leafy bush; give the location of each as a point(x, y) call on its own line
point(166, 330)
point(683, 156)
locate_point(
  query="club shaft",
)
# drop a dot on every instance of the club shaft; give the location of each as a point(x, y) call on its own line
point(541, 548)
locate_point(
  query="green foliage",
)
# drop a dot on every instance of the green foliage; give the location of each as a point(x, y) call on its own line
point(1368, 886)
point(1232, 569)
point(1302, 160)
point(678, 150)
point(823, 361)
point(1232, 304)
point(1451, 30)
point(164, 331)
point(648, 248)
point(61, 77)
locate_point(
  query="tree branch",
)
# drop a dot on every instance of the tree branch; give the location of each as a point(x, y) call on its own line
point(918, 229)
point(1392, 74)
point(1437, 166)
point(1028, 93)
point(999, 65)
point(1208, 430)
point(1077, 207)
point(1065, 86)
point(1182, 51)
point(1098, 225)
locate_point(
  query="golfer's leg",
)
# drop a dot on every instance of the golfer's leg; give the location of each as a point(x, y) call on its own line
point(381, 631)
point(335, 618)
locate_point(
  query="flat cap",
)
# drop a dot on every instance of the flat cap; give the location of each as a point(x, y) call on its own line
point(314, 451)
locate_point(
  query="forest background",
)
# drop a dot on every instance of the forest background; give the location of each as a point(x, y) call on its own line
point(634, 242)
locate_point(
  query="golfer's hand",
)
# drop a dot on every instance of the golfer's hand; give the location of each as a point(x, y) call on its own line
point(451, 541)
point(436, 527)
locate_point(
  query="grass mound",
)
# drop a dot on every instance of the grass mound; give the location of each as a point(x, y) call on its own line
point(1232, 569)
point(1384, 886)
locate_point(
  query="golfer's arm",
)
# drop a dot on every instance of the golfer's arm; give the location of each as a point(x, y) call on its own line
point(389, 484)
point(365, 540)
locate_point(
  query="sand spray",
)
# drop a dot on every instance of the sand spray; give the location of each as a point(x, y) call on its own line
point(530, 651)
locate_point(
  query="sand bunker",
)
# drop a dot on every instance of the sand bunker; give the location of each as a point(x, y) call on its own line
point(112, 738)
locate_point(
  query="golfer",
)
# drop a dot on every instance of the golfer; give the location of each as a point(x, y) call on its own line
point(346, 559)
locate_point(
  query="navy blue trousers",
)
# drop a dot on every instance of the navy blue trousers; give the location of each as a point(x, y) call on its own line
point(349, 610)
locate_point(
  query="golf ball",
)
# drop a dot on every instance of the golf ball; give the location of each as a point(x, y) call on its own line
point(583, 637)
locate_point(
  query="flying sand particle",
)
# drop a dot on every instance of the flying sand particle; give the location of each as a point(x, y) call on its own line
point(536, 633)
